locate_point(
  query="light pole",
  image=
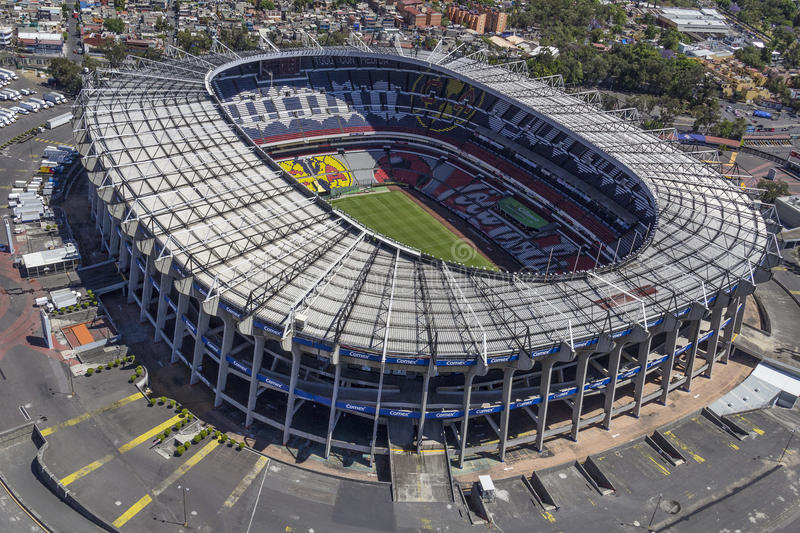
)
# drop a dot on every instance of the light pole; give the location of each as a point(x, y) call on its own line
point(184, 490)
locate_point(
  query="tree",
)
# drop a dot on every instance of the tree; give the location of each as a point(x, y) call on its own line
point(115, 53)
point(119, 5)
point(114, 25)
point(66, 73)
point(238, 39)
point(750, 56)
point(194, 42)
point(162, 25)
point(772, 190)
point(266, 5)
point(650, 32)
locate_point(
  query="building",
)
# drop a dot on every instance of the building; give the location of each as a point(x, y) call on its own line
point(301, 319)
point(6, 36)
point(693, 20)
point(479, 19)
point(40, 43)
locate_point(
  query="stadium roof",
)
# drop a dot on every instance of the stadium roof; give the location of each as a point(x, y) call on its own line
point(177, 172)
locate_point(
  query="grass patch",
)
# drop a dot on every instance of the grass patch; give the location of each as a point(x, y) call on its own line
point(397, 216)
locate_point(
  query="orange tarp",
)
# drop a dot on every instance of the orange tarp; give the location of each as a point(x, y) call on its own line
point(82, 334)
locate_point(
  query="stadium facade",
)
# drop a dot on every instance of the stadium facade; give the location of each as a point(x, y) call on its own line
point(306, 321)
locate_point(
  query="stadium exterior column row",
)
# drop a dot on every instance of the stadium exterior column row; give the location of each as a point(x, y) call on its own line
point(718, 349)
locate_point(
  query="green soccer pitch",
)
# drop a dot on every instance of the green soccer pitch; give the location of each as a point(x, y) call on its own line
point(397, 216)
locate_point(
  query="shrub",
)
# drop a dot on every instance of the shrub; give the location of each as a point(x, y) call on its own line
point(85, 305)
point(196, 439)
point(187, 443)
point(138, 373)
point(190, 417)
point(170, 403)
point(109, 365)
point(89, 371)
point(223, 438)
point(139, 368)
point(131, 358)
point(240, 446)
point(162, 400)
point(94, 302)
point(98, 369)
point(204, 433)
point(167, 432)
point(132, 378)
point(179, 450)
point(184, 412)
point(217, 434)
point(152, 401)
point(117, 362)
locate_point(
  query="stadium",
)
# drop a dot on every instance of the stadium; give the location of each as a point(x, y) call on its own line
point(371, 248)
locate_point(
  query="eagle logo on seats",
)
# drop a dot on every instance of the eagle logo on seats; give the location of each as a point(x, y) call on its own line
point(451, 108)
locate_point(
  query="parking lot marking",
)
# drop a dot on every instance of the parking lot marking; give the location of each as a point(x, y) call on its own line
point(148, 434)
point(90, 414)
point(132, 511)
point(88, 469)
point(246, 481)
point(91, 467)
point(185, 467)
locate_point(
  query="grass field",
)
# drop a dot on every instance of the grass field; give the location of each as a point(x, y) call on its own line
point(397, 216)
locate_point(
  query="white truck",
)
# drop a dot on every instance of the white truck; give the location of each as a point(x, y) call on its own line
point(56, 98)
point(58, 121)
point(19, 109)
point(8, 115)
point(16, 93)
point(9, 73)
point(30, 106)
point(42, 103)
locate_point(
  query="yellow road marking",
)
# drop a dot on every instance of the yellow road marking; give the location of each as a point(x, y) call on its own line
point(684, 447)
point(148, 435)
point(794, 292)
point(733, 446)
point(185, 467)
point(90, 414)
point(91, 467)
point(759, 430)
point(548, 516)
point(246, 481)
point(132, 511)
point(88, 469)
point(659, 466)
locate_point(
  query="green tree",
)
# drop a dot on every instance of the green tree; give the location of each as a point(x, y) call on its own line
point(115, 53)
point(650, 32)
point(194, 42)
point(238, 39)
point(772, 189)
point(162, 26)
point(750, 56)
point(66, 73)
point(114, 25)
point(266, 5)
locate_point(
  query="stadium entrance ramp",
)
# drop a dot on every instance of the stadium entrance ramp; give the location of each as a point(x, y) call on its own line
point(422, 476)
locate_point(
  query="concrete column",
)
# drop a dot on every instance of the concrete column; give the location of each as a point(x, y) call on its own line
point(641, 377)
point(695, 335)
point(611, 387)
point(291, 397)
point(113, 240)
point(728, 335)
point(252, 394)
point(180, 326)
point(228, 334)
point(577, 401)
point(124, 256)
point(737, 327)
point(377, 415)
point(161, 313)
point(135, 273)
point(423, 408)
point(670, 346)
point(105, 224)
point(544, 392)
point(508, 375)
point(147, 289)
point(468, 378)
point(199, 347)
point(332, 413)
point(713, 342)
